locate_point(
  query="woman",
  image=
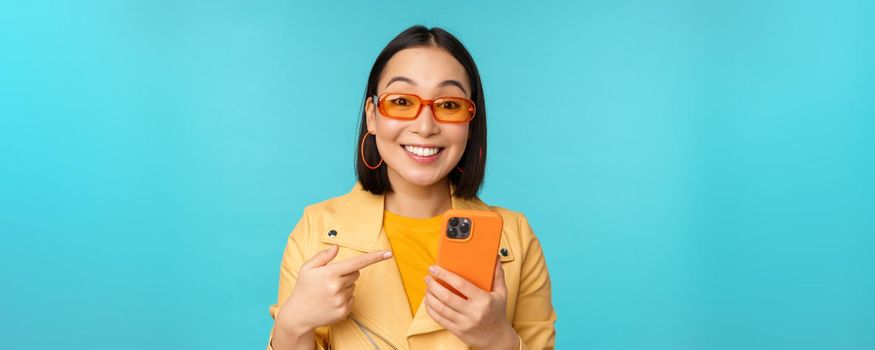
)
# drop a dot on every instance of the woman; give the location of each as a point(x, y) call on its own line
point(358, 270)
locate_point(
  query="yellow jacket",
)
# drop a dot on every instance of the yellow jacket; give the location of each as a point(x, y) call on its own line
point(380, 317)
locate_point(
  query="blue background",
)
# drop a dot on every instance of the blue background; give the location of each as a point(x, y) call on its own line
point(700, 173)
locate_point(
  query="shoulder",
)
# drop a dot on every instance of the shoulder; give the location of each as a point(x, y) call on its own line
point(516, 227)
point(326, 208)
point(512, 219)
point(352, 202)
point(315, 219)
point(507, 213)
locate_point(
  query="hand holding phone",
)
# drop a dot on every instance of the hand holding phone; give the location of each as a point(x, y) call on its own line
point(468, 259)
point(468, 246)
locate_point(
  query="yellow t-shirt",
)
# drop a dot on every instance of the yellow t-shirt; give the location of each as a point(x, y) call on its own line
point(414, 245)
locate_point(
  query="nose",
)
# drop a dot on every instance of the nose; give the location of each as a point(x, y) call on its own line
point(425, 125)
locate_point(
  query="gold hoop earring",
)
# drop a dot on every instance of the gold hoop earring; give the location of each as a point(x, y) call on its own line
point(362, 152)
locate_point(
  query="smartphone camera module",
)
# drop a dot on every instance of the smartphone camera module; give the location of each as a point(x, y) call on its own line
point(458, 228)
point(452, 232)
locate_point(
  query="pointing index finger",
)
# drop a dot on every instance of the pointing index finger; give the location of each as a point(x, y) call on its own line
point(359, 262)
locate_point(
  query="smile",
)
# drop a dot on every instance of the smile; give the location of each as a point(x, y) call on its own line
point(423, 154)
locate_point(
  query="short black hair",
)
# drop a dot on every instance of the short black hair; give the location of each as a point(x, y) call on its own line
point(468, 181)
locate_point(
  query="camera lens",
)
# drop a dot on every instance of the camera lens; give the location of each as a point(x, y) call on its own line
point(454, 221)
point(465, 228)
point(452, 232)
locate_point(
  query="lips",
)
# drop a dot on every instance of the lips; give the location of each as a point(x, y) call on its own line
point(423, 153)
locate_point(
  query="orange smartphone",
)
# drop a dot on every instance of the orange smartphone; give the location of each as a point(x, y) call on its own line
point(468, 246)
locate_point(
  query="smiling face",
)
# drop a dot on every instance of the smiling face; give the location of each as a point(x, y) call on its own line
point(421, 151)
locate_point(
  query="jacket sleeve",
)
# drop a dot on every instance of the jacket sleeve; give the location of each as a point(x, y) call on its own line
point(534, 319)
point(295, 254)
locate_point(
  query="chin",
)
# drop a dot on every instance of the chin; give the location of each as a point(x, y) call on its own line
point(422, 178)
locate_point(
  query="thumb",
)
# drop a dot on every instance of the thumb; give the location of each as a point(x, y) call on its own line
point(321, 258)
point(498, 285)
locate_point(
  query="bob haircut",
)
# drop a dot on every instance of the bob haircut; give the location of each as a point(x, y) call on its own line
point(469, 179)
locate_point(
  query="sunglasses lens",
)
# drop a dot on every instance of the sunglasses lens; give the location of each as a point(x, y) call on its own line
point(406, 106)
point(400, 105)
point(453, 109)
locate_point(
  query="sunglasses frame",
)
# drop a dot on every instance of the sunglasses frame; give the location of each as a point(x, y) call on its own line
point(380, 102)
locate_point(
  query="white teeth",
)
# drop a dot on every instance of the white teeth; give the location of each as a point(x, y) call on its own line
point(422, 151)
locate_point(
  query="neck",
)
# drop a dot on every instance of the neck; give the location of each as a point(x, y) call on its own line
point(416, 201)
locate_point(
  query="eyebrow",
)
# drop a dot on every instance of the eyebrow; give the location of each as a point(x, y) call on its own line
point(449, 82)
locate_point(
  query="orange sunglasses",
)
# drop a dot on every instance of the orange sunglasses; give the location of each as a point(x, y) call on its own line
point(407, 107)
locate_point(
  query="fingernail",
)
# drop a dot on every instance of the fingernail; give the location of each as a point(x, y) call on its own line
point(433, 269)
point(387, 254)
